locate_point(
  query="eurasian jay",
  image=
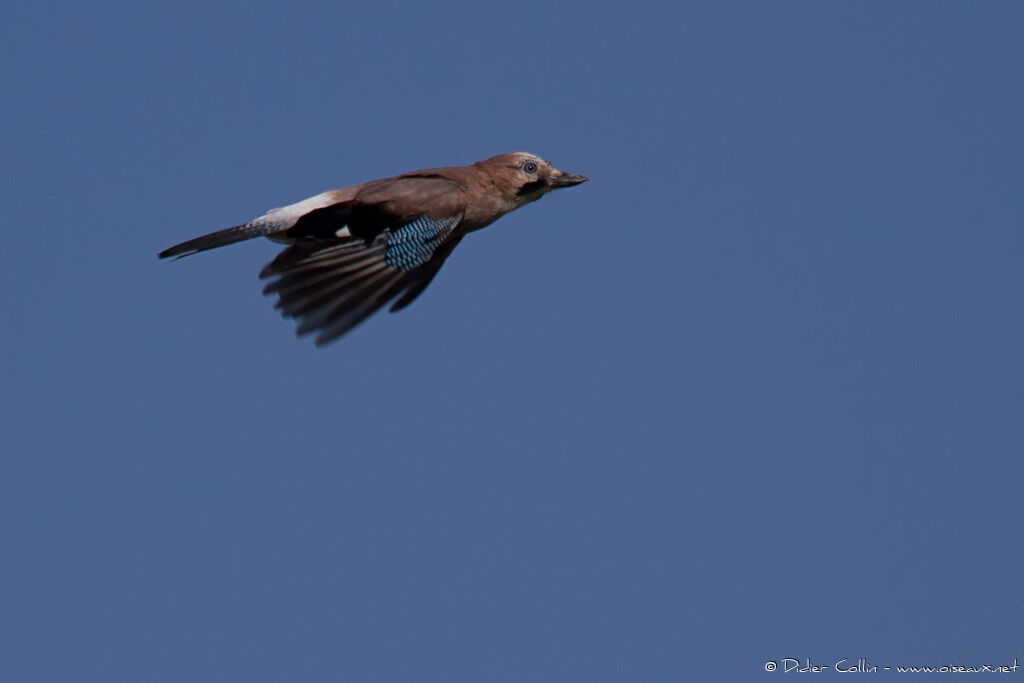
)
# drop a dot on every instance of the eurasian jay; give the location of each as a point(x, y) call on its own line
point(351, 251)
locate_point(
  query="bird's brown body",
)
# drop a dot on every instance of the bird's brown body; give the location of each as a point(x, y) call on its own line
point(353, 250)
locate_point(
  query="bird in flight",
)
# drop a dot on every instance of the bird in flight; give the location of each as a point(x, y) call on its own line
point(352, 251)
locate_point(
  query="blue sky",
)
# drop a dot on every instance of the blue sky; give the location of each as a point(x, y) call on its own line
point(752, 393)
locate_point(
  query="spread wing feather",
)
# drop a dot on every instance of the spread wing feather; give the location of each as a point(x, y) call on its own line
point(330, 285)
point(352, 251)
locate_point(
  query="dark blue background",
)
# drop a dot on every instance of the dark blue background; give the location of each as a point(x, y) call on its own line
point(753, 392)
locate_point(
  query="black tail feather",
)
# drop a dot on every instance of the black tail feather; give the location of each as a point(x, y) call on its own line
point(220, 238)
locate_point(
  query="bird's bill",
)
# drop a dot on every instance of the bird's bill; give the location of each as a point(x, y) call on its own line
point(562, 179)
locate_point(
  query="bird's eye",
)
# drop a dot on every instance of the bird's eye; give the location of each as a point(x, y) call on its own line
point(530, 167)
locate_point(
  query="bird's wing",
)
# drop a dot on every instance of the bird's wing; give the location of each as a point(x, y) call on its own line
point(350, 259)
point(425, 274)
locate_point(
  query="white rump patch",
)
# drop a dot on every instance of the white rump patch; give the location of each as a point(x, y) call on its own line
point(286, 216)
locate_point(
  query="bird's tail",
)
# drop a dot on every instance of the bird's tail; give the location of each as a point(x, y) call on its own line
point(220, 238)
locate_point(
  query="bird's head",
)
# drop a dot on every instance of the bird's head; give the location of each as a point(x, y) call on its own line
point(524, 177)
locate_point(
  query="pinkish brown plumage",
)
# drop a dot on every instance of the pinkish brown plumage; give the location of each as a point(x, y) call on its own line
point(352, 251)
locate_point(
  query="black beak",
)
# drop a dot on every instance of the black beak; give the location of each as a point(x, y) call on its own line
point(561, 179)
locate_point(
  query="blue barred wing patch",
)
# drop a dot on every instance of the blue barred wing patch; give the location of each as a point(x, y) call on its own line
point(414, 243)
